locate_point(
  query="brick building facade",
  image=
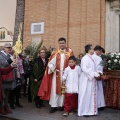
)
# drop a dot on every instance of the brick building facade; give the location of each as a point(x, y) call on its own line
point(79, 21)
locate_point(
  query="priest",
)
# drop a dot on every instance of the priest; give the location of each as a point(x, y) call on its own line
point(50, 88)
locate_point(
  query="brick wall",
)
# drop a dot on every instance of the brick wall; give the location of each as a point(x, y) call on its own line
point(79, 21)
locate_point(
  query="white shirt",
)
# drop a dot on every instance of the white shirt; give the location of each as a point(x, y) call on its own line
point(71, 76)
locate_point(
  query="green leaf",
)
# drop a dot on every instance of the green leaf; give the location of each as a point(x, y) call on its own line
point(37, 50)
point(34, 88)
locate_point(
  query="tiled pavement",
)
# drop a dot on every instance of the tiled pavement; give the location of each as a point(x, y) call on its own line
point(30, 112)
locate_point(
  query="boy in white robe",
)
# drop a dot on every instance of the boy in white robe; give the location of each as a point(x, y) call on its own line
point(87, 95)
point(70, 79)
point(99, 68)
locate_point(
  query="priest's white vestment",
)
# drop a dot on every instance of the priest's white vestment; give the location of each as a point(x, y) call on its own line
point(56, 100)
point(87, 95)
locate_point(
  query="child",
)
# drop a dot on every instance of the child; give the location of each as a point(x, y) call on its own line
point(70, 79)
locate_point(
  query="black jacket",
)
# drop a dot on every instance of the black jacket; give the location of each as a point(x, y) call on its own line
point(39, 68)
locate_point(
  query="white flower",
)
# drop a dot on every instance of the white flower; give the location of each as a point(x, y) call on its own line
point(115, 60)
point(117, 56)
point(118, 53)
point(109, 68)
point(109, 61)
point(112, 55)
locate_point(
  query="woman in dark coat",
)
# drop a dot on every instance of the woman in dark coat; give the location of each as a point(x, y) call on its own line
point(38, 71)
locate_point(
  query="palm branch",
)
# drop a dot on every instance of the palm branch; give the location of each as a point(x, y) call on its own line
point(37, 50)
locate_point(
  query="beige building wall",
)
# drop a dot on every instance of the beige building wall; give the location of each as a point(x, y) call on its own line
point(79, 21)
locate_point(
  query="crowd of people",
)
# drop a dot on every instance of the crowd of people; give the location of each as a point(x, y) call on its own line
point(83, 92)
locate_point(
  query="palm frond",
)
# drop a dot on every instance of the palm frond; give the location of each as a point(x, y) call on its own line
point(33, 49)
point(37, 50)
point(34, 88)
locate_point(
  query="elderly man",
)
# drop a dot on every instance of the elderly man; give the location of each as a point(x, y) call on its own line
point(5, 60)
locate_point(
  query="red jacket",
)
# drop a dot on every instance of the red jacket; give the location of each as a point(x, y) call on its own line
point(3, 71)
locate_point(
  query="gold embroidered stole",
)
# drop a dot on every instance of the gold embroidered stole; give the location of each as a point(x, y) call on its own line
point(67, 54)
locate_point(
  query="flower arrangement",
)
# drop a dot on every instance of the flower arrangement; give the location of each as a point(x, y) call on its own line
point(114, 62)
point(111, 61)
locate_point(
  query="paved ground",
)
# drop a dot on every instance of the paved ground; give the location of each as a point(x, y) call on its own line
point(30, 112)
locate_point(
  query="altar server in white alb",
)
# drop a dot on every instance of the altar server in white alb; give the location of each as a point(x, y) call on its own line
point(87, 95)
point(99, 68)
point(70, 79)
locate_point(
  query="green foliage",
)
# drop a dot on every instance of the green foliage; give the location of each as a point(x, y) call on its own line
point(77, 61)
point(114, 62)
point(111, 61)
point(28, 50)
point(34, 88)
point(37, 50)
point(35, 85)
point(105, 58)
point(32, 50)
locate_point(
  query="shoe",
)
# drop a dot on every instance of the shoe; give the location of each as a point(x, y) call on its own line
point(65, 114)
point(7, 109)
point(102, 108)
point(3, 112)
point(12, 106)
point(61, 109)
point(43, 105)
point(71, 113)
point(19, 105)
point(38, 106)
point(53, 109)
point(86, 115)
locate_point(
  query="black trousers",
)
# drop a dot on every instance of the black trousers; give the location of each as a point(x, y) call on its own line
point(29, 92)
point(17, 94)
point(38, 101)
point(14, 96)
point(25, 84)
